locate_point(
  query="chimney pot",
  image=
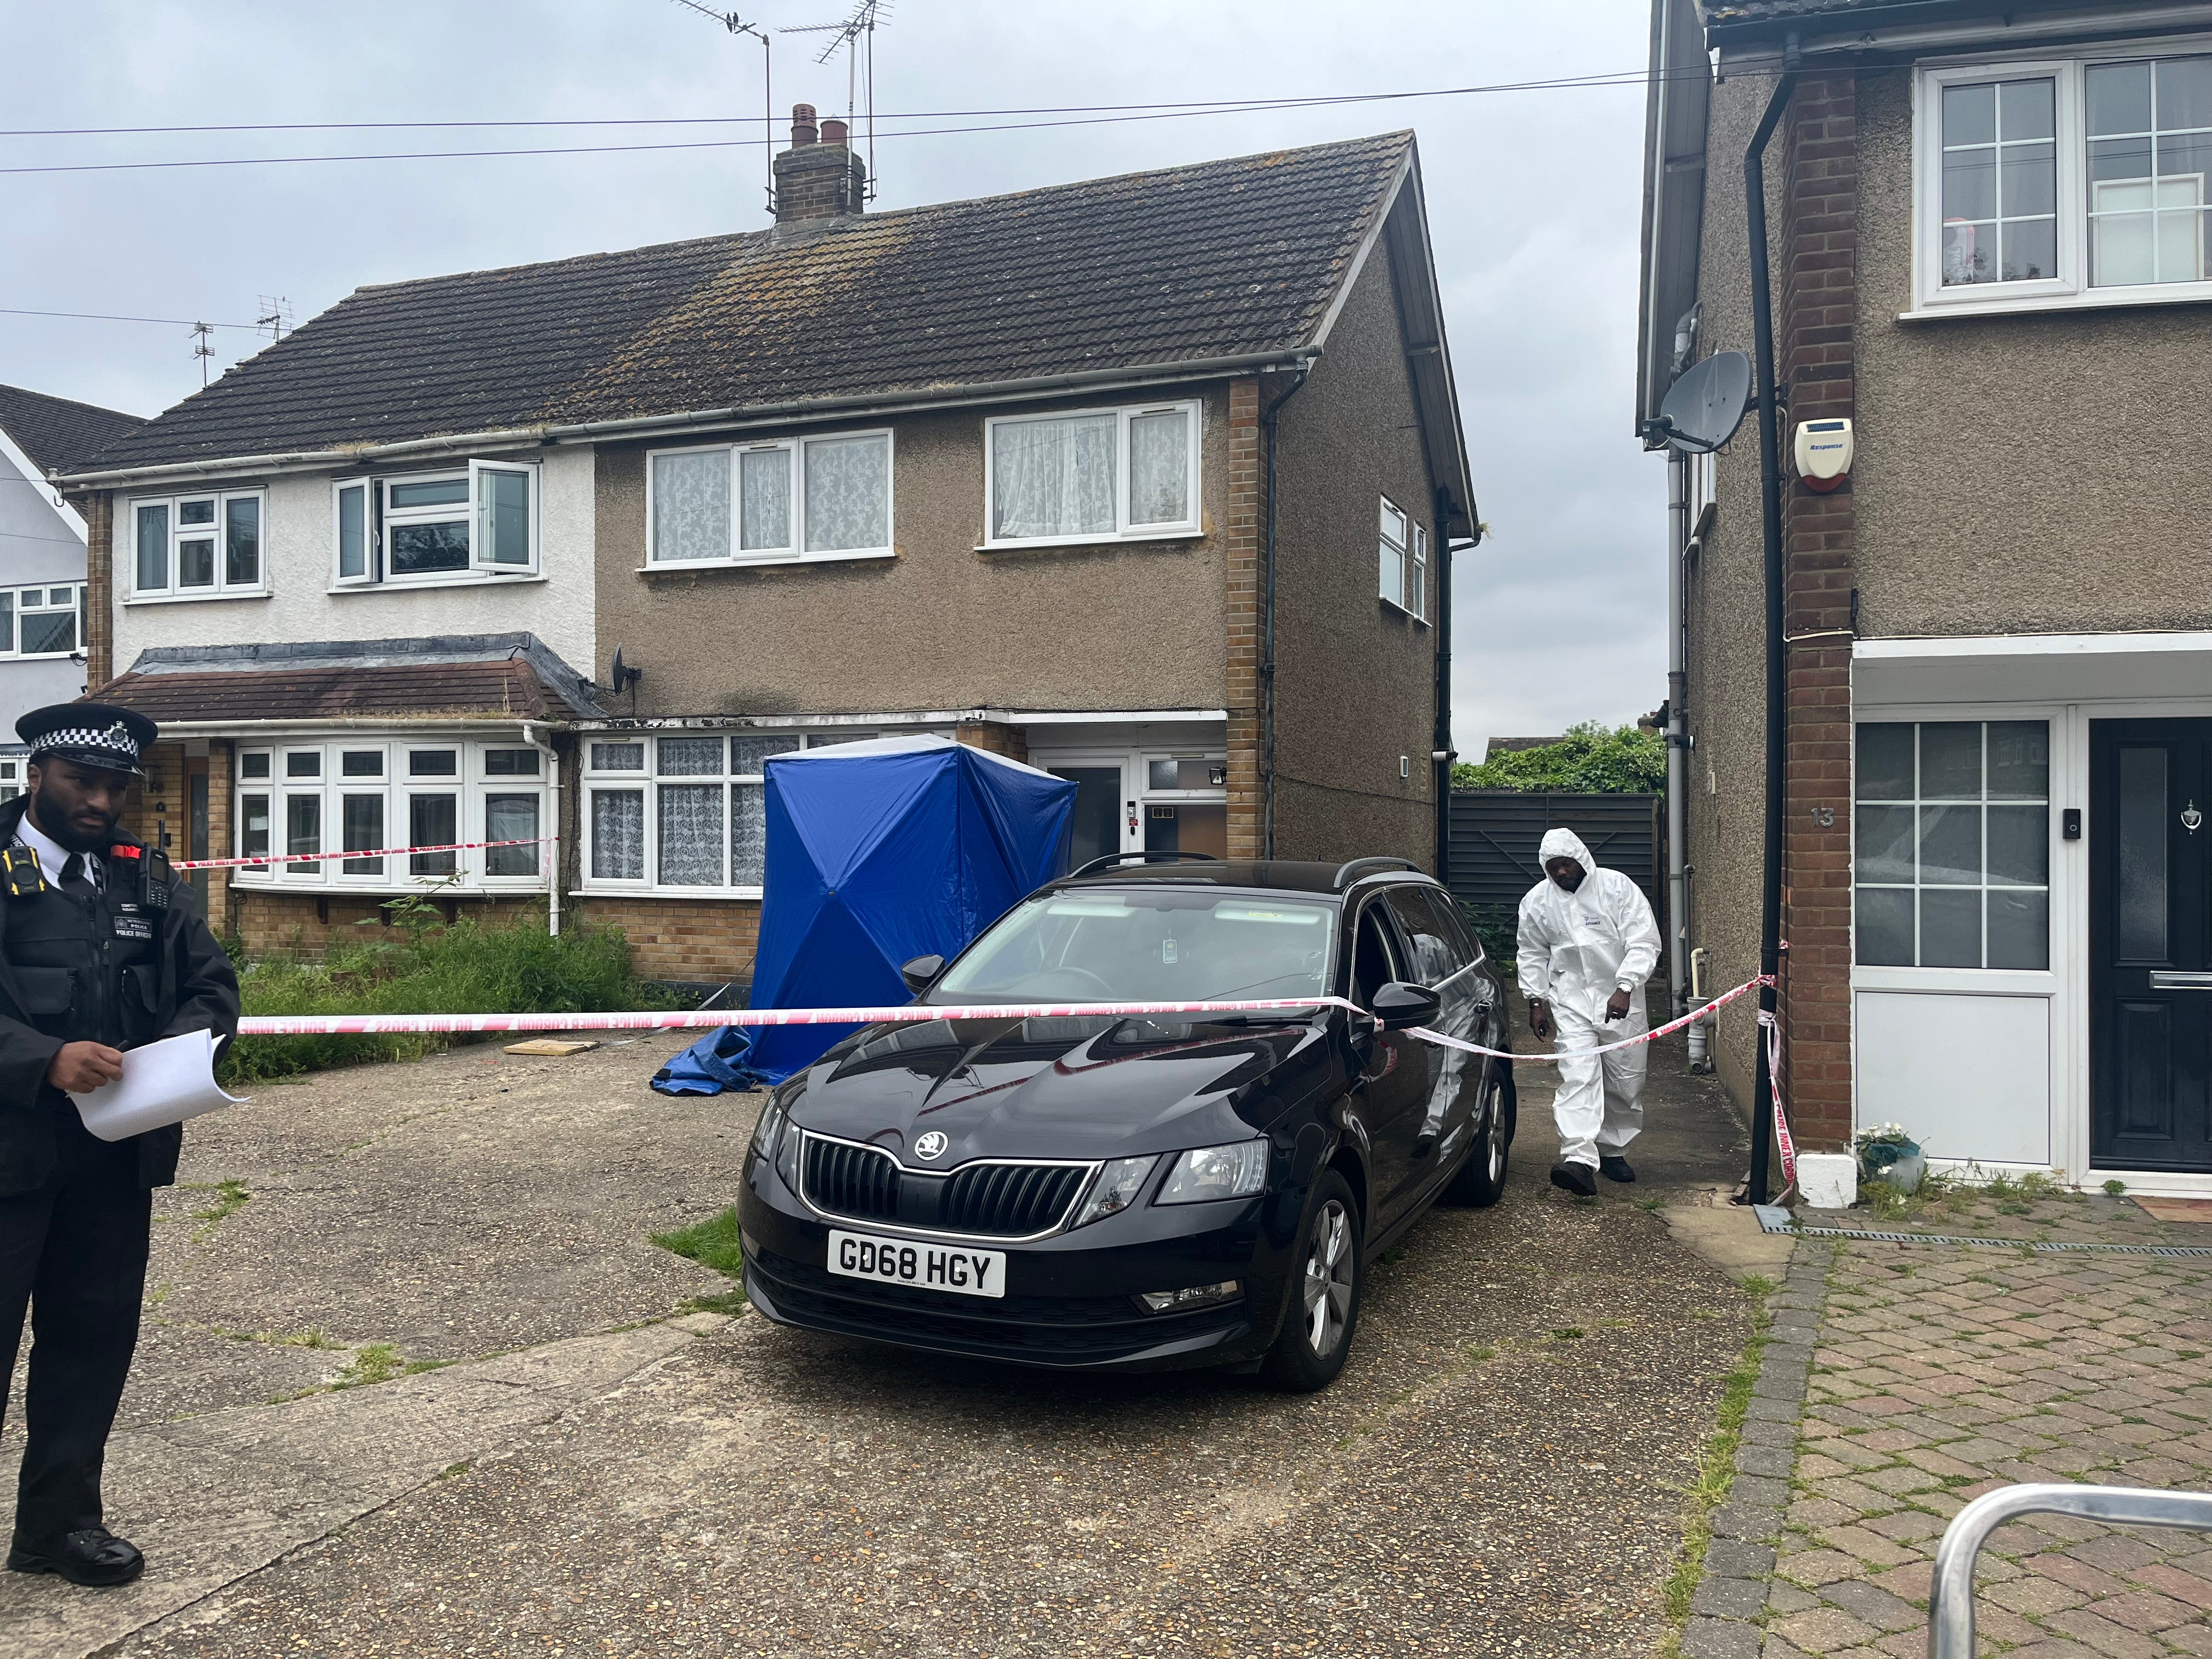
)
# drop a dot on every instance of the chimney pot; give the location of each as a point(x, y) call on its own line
point(803, 130)
point(833, 131)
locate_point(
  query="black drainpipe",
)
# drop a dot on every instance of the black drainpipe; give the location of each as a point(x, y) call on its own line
point(1770, 493)
point(1267, 418)
point(1443, 754)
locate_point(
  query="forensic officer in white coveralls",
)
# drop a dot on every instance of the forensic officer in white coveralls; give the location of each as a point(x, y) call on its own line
point(1588, 941)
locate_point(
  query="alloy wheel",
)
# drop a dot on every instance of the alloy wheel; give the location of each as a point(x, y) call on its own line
point(1328, 1279)
point(1494, 1146)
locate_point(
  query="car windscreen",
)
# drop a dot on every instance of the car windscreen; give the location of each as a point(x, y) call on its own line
point(1149, 944)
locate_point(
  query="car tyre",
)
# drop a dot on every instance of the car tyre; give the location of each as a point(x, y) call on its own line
point(1481, 1181)
point(1324, 1311)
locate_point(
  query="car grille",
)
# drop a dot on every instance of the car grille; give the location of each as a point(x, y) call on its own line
point(861, 1182)
point(983, 1200)
point(1010, 1200)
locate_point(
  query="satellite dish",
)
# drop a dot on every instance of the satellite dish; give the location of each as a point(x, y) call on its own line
point(623, 675)
point(1704, 407)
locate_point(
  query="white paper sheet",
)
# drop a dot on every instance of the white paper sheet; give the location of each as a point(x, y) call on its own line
point(163, 1083)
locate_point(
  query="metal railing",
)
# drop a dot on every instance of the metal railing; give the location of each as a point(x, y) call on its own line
point(1951, 1590)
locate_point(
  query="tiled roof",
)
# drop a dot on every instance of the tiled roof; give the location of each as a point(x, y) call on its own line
point(509, 676)
point(1219, 259)
point(57, 433)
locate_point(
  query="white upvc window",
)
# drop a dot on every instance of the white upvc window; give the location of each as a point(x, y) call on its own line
point(788, 501)
point(682, 812)
point(205, 545)
point(368, 791)
point(1417, 575)
point(2064, 182)
point(1091, 475)
point(11, 779)
point(1392, 576)
point(471, 521)
point(45, 621)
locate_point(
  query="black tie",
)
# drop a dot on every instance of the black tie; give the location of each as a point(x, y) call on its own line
point(76, 875)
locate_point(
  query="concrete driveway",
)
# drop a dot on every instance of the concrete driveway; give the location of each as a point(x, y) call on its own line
point(589, 1470)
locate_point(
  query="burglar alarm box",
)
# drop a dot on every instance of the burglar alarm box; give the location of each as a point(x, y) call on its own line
point(1824, 453)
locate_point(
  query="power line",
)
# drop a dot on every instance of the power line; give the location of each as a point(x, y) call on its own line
point(105, 316)
point(1610, 78)
point(1227, 108)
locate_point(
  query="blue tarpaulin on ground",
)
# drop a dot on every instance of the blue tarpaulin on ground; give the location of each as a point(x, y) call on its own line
point(877, 852)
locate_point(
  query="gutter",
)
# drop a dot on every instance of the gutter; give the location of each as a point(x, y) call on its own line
point(744, 415)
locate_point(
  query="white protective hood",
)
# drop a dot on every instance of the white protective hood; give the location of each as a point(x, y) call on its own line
point(1576, 948)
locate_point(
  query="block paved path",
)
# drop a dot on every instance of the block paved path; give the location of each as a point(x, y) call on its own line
point(1940, 1371)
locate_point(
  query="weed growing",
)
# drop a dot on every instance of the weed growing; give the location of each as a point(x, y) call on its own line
point(713, 1243)
point(415, 964)
point(1717, 1468)
point(230, 1197)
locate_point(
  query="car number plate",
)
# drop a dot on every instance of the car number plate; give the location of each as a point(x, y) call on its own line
point(926, 1266)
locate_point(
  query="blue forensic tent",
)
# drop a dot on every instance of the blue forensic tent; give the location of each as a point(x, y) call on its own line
point(878, 852)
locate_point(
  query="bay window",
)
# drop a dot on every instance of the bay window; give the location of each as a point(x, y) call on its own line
point(788, 501)
point(1092, 475)
point(683, 811)
point(362, 793)
point(2066, 181)
point(472, 521)
point(197, 547)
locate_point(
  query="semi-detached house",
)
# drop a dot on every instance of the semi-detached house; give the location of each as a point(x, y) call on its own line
point(1988, 236)
point(1151, 481)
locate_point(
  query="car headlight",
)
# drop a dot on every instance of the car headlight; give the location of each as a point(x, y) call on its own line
point(1116, 1188)
point(1237, 1170)
point(769, 1126)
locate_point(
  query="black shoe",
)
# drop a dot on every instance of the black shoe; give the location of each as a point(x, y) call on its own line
point(1614, 1167)
point(93, 1556)
point(1575, 1178)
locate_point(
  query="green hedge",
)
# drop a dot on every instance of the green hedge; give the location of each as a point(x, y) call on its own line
point(422, 966)
point(1591, 760)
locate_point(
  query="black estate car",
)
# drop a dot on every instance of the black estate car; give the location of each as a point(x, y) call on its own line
point(1149, 1192)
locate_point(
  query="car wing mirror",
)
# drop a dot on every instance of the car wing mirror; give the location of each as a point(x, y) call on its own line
point(920, 971)
point(1399, 1005)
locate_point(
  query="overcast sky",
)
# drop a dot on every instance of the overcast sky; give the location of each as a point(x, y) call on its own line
point(1532, 196)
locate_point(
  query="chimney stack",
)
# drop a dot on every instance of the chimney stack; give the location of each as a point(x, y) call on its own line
point(818, 177)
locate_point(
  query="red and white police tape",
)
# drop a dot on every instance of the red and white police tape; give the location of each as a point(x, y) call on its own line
point(906, 1014)
point(350, 853)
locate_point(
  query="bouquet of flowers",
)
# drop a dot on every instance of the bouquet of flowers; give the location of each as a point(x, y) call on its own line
point(1882, 1148)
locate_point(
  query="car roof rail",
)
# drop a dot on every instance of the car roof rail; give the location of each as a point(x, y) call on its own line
point(1113, 859)
point(1372, 867)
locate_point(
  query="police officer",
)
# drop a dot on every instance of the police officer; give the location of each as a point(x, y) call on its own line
point(101, 951)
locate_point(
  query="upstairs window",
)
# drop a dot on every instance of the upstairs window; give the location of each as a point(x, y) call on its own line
point(1093, 476)
point(2065, 182)
point(787, 502)
point(1404, 562)
point(197, 547)
point(475, 522)
point(42, 622)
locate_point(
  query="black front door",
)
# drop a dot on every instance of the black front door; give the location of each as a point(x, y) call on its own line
point(2150, 944)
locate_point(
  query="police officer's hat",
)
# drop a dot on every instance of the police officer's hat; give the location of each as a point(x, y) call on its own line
point(89, 733)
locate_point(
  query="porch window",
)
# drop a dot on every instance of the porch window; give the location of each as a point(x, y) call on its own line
point(1951, 840)
point(1092, 475)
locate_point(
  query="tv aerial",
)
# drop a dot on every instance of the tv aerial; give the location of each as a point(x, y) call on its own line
point(1705, 405)
point(737, 25)
point(856, 36)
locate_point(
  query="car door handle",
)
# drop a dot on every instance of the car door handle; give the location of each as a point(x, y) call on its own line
point(2178, 979)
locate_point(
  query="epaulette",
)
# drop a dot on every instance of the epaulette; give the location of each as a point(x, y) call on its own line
point(19, 868)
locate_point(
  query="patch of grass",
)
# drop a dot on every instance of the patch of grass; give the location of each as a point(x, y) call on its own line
point(230, 1197)
point(415, 964)
point(2115, 1188)
point(1717, 1467)
point(379, 1362)
point(1568, 1333)
point(713, 1242)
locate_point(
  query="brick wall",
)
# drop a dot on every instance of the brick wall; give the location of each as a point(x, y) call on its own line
point(97, 507)
point(1012, 741)
point(308, 926)
point(1816, 348)
point(696, 940)
point(1240, 542)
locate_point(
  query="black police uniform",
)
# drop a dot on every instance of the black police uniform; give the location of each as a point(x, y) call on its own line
point(123, 963)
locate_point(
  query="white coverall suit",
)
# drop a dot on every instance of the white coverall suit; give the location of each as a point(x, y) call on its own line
point(1574, 950)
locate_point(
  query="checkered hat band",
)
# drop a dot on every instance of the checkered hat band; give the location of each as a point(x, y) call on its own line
point(115, 740)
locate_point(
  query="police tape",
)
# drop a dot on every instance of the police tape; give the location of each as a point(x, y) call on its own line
point(903, 1014)
point(351, 853)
